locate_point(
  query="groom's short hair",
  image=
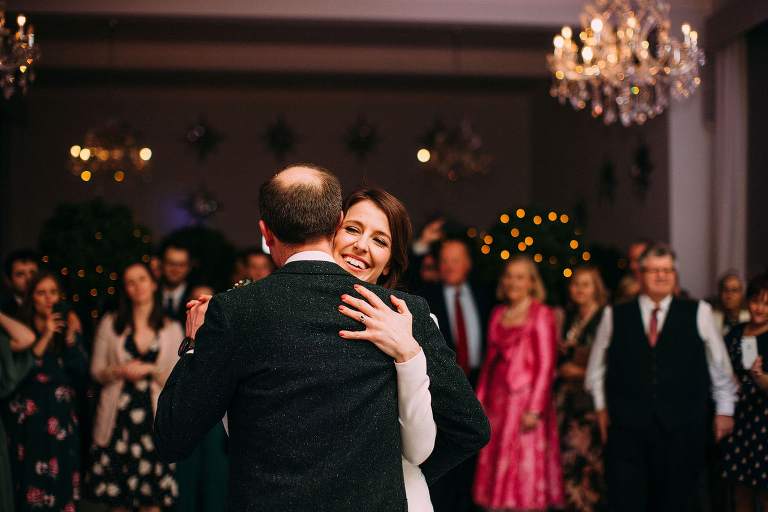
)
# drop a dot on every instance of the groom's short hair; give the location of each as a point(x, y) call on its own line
point(299, 212)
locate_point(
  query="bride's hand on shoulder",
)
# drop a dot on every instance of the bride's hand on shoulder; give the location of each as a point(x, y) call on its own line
point(391, 331)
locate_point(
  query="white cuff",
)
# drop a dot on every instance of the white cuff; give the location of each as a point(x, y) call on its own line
point(414, 368)
point(725, 408)
point(599, 399)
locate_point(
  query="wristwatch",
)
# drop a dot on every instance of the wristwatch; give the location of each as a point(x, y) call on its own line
point(186, 345)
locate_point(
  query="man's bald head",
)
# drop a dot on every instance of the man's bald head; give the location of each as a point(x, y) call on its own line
point(301, 203)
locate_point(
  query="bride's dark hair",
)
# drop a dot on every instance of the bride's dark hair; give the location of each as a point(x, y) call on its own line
point(399, 225)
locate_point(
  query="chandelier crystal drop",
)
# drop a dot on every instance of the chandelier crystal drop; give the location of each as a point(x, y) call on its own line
point(18, 53)
point(623, 62)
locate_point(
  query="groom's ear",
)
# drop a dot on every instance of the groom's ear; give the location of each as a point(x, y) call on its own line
point(341, 220)
point(269, 237)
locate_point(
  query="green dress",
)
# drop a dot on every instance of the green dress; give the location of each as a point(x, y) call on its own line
point(13, 368)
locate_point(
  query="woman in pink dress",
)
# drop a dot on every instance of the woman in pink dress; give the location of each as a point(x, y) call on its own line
point(520, 468)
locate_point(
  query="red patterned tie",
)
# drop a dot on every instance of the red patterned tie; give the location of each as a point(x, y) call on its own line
point(653, 329)
point(462, 349)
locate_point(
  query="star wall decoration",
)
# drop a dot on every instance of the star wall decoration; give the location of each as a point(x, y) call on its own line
point(361, 138)
point(203, 138)
point(280, 139)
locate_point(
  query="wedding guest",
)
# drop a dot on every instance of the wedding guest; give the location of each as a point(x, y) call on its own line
point(257, 264)
point(176, 264)
point(580, 444)
point(462, 308)
point(634, 253)
point(745, 459)
point(43, 429)
point(657, 362)
point(422, 256)
point(429, 273)
point(19, 267)
point(729, 308)
point(520, 468)
point(156, 266)
point(627, 289)
point(629, 285)
point(20, 337)
point(135, 350)
point(15, 362)
point(203, 476)
point(728, 311)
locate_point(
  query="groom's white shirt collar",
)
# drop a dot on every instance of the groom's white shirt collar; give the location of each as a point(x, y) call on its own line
point(310, 256)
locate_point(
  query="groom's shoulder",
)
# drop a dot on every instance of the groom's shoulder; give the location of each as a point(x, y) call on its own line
point(416, 303)
point(241, 291)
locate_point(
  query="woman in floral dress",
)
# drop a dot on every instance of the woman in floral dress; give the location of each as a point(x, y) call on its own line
point(135, 350)
point(580, 444)
point(43, 432)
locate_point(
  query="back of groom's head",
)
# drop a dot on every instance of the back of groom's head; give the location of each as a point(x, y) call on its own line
point(301, 203)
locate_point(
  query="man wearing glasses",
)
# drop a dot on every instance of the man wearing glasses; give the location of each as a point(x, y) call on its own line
point(657, 364)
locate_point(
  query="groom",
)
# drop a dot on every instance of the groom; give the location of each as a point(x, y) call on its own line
point(313, 418)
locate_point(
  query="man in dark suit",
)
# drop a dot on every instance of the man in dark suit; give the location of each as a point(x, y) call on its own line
point(19, 268)
point(462, 308)
point(313, 419)
point(175, 264)
point(656, 364)
point(462, 311)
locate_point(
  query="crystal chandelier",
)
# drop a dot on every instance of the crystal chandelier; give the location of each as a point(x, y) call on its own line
point(18, 53)
point(111, 150)
point(623, 62)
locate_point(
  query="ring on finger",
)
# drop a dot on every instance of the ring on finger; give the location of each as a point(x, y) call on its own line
point(362, 318)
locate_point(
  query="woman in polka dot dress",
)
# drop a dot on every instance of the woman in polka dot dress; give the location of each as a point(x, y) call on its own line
point(135, 350)
point(745, 458)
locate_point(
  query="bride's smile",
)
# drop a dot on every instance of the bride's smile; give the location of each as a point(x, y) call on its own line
point(362, 245)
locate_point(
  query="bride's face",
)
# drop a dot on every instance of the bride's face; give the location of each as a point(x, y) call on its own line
point(363, 243)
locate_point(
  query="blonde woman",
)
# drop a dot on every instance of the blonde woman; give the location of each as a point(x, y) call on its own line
point(520, 468)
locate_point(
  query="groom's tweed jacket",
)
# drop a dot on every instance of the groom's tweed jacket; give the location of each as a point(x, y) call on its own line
point(313, 417)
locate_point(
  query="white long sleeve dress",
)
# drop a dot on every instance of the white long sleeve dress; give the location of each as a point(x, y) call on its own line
point(417, 428)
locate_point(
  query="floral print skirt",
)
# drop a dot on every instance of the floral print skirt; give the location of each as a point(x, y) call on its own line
point(127, 472)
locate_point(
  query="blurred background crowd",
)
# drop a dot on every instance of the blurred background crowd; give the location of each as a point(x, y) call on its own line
point(78, 390)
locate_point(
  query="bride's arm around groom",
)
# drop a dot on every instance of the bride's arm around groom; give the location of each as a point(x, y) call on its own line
point(462, 427)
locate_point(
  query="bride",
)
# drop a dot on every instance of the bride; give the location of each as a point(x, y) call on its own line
point(372, 244)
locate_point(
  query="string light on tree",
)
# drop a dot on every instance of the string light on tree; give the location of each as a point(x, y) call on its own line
point(559, 246)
